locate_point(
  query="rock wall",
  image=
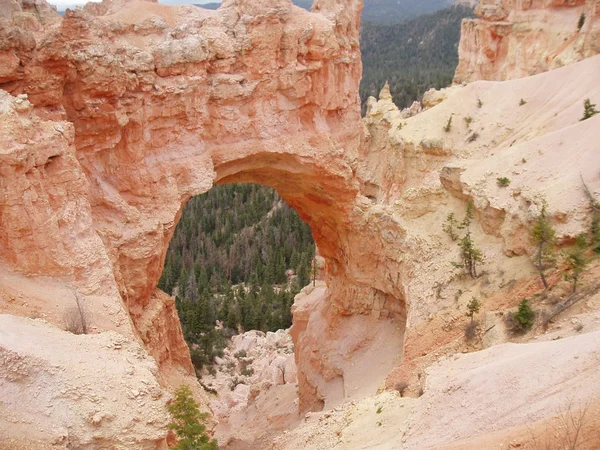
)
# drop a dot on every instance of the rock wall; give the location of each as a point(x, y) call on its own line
point(518, 38)
point(115, 115)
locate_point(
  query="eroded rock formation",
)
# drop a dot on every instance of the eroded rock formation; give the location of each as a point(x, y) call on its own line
point(115, 115)
point(518, 38)
point(112, 117)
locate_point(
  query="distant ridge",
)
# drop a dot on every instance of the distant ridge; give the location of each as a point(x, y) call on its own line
point(384, 11)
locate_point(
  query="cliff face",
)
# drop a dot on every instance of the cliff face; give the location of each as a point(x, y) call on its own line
point(518, 38)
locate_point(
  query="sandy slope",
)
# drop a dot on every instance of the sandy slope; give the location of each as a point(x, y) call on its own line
point(502, 387)
point(61, 390)
point(467, 397)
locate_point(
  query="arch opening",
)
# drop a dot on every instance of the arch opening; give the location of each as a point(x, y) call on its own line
point(238, 257)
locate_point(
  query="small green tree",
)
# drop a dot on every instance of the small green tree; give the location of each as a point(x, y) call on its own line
point(543, 236)
point(525, 315)
point(187, 422)
point(589, 109)
point(470, 255)
point(473, 307)
point(595, 228)
point(575, 261)
point(451, 226)
point(580, 22)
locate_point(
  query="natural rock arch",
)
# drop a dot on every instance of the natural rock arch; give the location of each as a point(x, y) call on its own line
point(143, 106)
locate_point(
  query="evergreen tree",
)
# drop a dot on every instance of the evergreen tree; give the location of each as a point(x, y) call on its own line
point(473, 308)
point(188, 422)
point(589, 109)
point(543, 236)
point(524, 316)
point(470, 255)
point(575, 260)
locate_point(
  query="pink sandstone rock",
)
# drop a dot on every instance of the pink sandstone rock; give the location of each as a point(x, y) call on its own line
point(516, 39)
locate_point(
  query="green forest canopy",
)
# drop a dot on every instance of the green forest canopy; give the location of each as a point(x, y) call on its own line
point(228, 260)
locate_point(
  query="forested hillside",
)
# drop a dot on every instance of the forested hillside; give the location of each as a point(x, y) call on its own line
point(412, 56)
point(381, 11)
point(228, 260)
point(392, 11)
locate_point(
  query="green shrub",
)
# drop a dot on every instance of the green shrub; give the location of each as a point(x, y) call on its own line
point(188, 422)
point(468, 121)
point(524, 317)
point(522, 102)
point(502, 181)
point(247, 371)
point(240, 354)
point(479, 103)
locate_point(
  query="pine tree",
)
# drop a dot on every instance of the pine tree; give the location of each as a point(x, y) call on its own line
point(473, 307)
point(524, 316)
point(543, 236)
point(470, 255)
point(188, 422)
point(589, 109)
point(575, 261)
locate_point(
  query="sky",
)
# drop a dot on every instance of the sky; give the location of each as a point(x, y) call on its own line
point(61, 4)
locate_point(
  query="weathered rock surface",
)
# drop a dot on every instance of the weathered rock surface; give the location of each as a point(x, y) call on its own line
point(517, 39)
point(81, 391)
point(255, 384)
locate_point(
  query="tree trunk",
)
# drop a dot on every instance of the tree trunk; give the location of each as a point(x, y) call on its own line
point(541, 266)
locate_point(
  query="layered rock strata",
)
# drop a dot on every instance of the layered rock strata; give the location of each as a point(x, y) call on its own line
point(519, 38)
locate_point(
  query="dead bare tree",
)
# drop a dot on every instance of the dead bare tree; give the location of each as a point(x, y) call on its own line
point(571, 300)
point(76, 317)
point(567, 430)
